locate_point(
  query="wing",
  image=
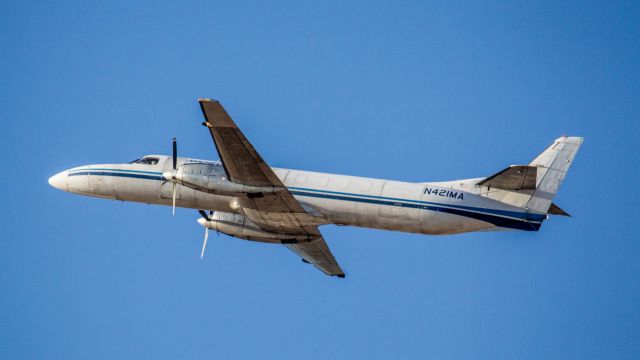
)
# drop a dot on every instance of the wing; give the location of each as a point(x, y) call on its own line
point(240, 160)
point(277, 212)
point(317, 253)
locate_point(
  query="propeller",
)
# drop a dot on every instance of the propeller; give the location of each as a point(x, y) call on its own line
point(173, 200)
point(175, 166)
point(204, 244)
point(206, 231)
point(175, 154)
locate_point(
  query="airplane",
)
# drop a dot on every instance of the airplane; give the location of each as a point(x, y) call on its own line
point(242, 196)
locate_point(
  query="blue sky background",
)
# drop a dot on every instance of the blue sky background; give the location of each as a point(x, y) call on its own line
point(411, 91)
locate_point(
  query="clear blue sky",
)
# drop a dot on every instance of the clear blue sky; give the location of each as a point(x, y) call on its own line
point(401, 90)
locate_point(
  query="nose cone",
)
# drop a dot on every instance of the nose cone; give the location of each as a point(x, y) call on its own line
point(59, 181)
point(202, 221)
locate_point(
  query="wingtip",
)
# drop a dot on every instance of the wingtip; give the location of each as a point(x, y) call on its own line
point(571, 139)
point(206, 100)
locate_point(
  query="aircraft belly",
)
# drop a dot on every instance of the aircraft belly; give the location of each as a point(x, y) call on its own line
point(440, 223)
point(368, 215)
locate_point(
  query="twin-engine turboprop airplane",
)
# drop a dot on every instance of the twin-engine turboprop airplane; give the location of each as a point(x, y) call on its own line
point(247, 199)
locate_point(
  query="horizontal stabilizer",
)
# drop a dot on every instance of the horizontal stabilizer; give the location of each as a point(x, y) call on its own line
point(555, 210)
point(515, 177)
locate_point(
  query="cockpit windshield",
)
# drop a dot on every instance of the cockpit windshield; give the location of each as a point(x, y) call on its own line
point(146, 161)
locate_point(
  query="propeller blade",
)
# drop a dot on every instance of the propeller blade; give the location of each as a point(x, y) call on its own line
point(204, 244)
point(175, 154)
point(204, 214)
point(174, 198)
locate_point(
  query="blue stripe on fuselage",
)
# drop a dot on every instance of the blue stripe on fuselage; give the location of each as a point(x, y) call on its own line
point(513, 214)
point(493, 219)
point(501, 218)
point(118, 170)
point(118, 174)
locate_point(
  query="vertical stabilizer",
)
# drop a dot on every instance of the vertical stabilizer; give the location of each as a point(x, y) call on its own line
point(533, 187)
point(552, 166)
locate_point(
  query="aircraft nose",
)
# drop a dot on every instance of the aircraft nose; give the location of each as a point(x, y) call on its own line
point(59, 181)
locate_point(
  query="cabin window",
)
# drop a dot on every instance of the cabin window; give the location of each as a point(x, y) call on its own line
point(147, 161)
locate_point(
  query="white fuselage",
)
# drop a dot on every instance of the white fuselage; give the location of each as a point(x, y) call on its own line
point(427, 208)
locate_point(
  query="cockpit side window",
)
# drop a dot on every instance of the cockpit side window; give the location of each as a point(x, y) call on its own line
point(146, 161)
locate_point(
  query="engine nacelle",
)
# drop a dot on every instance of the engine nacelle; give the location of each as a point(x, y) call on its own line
point(239, 226)
point(211, 178)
